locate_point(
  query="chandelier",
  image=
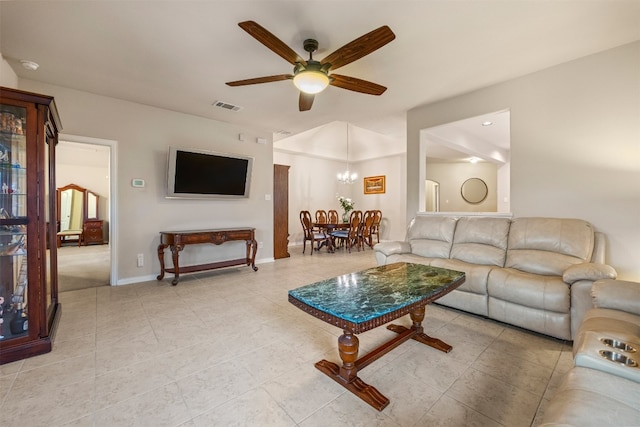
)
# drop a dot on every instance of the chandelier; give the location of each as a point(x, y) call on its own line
point(347, 177)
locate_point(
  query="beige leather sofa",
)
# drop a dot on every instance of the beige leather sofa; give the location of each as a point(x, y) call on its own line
point(598, 391)
point(534, 273)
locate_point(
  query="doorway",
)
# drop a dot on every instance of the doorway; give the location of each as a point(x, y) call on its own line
point(432, 191)
point(89, 163)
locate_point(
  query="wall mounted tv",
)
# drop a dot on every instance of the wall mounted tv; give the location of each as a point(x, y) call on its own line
point(197, 174)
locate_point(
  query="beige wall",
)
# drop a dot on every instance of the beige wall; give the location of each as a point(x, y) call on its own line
point(143, 135)
point(451, 176)
point(8, 78)
point(575, 145)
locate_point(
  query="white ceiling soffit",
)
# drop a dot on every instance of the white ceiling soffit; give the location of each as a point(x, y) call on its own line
point(330, 142)
point(486, 137)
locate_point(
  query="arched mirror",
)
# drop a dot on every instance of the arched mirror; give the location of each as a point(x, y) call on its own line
point(92, 205)
point(474, 190)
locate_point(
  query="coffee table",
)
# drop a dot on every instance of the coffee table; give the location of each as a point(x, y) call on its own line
point(358, 302)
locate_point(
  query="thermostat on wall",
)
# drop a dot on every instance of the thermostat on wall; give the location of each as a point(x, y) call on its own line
point(137, 182)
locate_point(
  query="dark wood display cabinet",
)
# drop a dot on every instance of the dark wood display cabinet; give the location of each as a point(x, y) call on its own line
point(29, 307)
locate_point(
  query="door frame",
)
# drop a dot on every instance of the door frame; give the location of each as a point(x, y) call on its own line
point(113, 195)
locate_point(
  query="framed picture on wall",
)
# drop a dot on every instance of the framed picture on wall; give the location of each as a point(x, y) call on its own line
point(374, 184)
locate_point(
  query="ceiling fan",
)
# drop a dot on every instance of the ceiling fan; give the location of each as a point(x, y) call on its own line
point(311, 76)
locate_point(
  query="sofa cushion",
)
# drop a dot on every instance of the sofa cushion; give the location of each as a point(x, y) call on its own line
point(535, 319)
point(476, 276)
point(481, 240)
point(415, 259)
point(431, 236)
point(530, 290)
point(588, 397)
point(471, 296)
point(548, 246)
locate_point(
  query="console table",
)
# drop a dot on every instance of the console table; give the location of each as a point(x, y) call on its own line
point(177, 240)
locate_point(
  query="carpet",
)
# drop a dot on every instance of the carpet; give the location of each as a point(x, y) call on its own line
point(83, 267)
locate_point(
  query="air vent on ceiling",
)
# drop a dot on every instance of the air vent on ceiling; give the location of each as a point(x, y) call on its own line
point(283, 132)
point(226, 106)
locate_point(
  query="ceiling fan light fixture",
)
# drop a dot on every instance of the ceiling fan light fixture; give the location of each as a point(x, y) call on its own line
point(311, 81)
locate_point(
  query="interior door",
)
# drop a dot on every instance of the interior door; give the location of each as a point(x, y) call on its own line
point(280, 211)
point(65, 210)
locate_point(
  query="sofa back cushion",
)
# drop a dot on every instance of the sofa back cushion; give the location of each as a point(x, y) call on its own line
point(431, 236)
point(548, 246)
point(480, 240)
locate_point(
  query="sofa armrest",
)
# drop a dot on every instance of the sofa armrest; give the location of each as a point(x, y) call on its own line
point(617, 295)
point(588, 271)
point(390, 248)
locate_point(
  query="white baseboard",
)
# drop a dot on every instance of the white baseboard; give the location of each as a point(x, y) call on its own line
point(140, 279)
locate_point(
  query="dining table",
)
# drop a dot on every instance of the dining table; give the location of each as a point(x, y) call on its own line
point(329, 227)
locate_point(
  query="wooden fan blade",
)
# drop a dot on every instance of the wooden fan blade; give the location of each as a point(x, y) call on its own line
point(257, 80)
point(357, 85)
point(360, 47)
point(306, 101)
point(261, 34)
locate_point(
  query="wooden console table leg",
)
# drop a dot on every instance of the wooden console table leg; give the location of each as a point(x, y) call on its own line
point(161, 259)
point(347, 374)
point(252, 250)
point(175, 251)
point(417, 316)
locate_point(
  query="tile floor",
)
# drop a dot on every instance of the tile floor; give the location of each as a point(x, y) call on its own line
point(226, 348)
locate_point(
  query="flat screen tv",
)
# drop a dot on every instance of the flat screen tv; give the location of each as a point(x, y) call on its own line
point(196, 174)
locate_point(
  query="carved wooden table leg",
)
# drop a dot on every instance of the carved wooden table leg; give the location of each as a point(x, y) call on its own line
point(331, 248)
point(252, 250)
point(161, 259)
point(417, 316)
point(175, 250)
point(347, 374)
point(348, 345)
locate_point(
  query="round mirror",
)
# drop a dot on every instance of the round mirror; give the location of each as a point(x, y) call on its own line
point(474, 190)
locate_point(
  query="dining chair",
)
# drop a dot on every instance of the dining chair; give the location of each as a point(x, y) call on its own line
point(375, 227)
point(321, 216)
point(366, 229)
point(332, 216)
point(350, 236)
point(312, 235)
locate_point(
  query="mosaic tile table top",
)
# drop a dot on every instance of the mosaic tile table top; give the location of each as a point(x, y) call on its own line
point(369, 294)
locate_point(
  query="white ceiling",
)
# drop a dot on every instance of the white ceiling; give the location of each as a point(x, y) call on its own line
point(79, 154)
point(179, 54)
point(483, 138)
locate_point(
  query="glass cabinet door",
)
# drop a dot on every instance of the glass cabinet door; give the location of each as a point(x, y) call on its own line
point(51, 260)
point(13, 223)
